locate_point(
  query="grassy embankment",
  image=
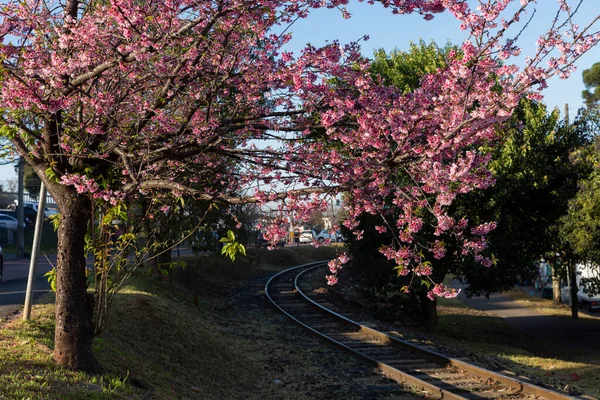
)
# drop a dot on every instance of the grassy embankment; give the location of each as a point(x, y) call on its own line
point(210, 335)
point(182, 339)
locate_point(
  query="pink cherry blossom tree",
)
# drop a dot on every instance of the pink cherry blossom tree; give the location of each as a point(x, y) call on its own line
point(111, 99)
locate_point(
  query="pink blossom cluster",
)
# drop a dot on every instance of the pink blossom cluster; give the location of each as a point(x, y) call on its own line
point(441, 290)
point(83, 185)
point(334, 267)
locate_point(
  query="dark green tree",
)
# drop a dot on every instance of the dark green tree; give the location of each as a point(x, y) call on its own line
point(580, 228)
point(591, 80)
point(535, 179)
point(31, 181)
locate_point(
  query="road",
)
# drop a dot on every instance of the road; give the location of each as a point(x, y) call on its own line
point(14, 282)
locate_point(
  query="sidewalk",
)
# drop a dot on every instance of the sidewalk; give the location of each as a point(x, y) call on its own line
point(582, 333)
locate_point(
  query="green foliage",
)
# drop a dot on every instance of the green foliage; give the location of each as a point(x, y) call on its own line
point(231, 247)
point(32, 182)
point(591, 80)
point(535, 178)
point(55, 221)
point(580, 227)
point(51, 276)
point(404, 69)
point(51, 174)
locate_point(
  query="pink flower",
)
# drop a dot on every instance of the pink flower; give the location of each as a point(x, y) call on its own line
point(331, 279)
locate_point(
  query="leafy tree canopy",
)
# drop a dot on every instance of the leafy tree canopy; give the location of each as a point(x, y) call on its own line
point(591, 80)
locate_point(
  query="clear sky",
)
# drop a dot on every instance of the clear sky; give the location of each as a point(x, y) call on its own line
point(389, 31)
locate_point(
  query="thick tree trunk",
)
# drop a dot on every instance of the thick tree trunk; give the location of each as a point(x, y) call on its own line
point(74, 307)
point(428, 311)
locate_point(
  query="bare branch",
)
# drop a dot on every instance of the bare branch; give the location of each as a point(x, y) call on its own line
point(224, 198)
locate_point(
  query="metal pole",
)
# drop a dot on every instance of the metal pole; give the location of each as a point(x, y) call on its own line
point(37, 238)
point(572, 266)
point(20, 211)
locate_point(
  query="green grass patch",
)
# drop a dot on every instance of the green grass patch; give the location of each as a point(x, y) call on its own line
point(28, 372)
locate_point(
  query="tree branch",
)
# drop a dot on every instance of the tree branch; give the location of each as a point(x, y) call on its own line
point(224, 198)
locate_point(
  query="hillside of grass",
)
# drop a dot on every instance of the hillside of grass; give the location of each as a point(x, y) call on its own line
point(173, 339)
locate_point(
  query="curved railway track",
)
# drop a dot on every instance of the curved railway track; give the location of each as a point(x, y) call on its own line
point(435, 375)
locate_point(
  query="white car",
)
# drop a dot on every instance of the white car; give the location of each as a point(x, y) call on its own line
point(8, 222)
point(306, 236)
point(586, 301)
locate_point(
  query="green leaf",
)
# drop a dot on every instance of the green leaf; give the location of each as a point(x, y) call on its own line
point(231, 235)
point(51, 275)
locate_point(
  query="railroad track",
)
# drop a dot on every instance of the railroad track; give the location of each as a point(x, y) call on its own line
point(433, 374)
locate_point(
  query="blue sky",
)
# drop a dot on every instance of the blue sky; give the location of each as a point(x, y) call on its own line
point(389, 31)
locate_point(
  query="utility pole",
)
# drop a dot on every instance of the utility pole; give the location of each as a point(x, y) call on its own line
point(35, 248)
point(20, 213)
point(571, 265)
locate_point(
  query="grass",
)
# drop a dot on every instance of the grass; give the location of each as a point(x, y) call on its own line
point(28, 371)
point(175, 340)
point(47, 245)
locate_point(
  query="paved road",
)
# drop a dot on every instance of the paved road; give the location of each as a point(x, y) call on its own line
point(14, 282)
point(580, 334)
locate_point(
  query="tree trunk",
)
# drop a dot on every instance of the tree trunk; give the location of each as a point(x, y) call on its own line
point(555, 281)
point(74, 306)
point(428, 311)
point(556, 289)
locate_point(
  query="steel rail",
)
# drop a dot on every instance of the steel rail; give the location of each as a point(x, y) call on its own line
point(393, 373)
point(515, 387)
point(523, 387)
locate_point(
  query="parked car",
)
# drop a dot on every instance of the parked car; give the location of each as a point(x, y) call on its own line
point(334, 237)
point(1, 263)
point(306, 236)
point(586, 301)
point(8, 222)
point(30, 210)
point(13, 214)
